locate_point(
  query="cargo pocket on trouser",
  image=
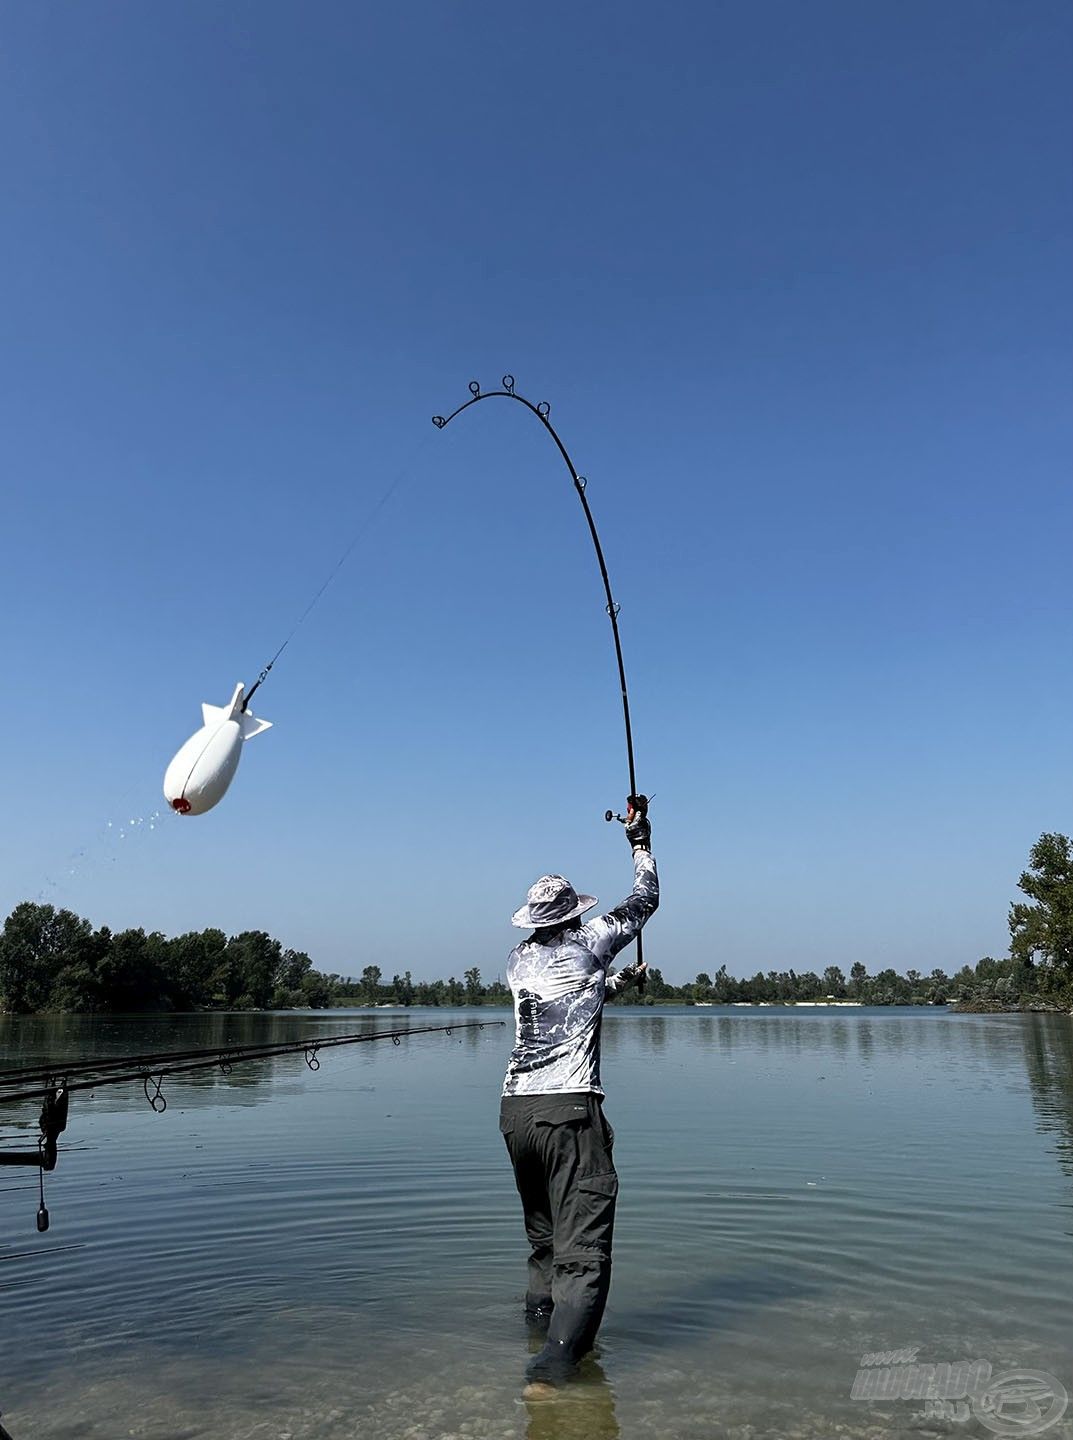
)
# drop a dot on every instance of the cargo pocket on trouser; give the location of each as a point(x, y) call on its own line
point(585, 1223)
point(594, 1213)
point(582, 1273)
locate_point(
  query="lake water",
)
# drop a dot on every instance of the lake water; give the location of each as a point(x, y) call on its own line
point(286, 1254)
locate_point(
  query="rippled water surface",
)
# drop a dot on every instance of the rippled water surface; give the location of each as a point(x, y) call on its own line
point(286, 1254)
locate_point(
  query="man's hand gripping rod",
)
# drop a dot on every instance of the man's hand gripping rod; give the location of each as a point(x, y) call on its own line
point(638, 832)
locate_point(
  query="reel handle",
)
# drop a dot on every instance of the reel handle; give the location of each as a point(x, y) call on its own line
point(640, 804)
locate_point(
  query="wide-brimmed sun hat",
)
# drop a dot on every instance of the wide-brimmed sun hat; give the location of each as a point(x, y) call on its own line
point(551, 901)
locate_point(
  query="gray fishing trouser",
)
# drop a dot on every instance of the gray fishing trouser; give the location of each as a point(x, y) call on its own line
point(560, 1147)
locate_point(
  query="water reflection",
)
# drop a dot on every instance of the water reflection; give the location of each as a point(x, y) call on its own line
point(712, 1301)
point(584, 1410)
point(47, 1040)
point(655, 1032)
point(865, 1039)
point(1048, 1047)
point(796, 1188)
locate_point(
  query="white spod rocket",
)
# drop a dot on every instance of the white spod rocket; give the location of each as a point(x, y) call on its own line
point(198, 777)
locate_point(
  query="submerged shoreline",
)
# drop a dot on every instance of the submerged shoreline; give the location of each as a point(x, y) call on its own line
point(1014, 1007)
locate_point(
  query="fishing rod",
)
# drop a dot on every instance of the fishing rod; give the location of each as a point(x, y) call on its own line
point(542, 410)
point(53, 1085)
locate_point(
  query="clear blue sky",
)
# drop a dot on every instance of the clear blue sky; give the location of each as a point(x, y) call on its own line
point(796, 280)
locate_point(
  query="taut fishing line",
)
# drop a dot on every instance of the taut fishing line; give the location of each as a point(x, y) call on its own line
point(202, 769)
point(85, 856)
point(366, 525)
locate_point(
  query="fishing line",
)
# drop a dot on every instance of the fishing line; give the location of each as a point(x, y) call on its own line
point(542, 411)
point(367, 524)
point(149, 820)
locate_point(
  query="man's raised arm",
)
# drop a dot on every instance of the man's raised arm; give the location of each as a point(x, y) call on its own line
point(610, 933)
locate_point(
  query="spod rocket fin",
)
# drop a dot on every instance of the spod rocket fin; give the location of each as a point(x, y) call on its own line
point(252, 726)
point(213, 714)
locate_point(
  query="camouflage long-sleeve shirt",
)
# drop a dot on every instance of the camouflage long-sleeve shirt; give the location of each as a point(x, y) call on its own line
point(559, 990)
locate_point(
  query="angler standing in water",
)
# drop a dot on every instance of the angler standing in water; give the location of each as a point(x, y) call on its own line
point(551, 1114)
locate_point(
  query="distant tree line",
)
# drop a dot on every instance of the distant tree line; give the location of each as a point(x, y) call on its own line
point(1037, 973)
point(990, 979)
point(887, 988)
point(54, 960)
point(372, 989)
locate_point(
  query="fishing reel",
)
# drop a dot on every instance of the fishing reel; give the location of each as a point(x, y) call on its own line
point(639, 805)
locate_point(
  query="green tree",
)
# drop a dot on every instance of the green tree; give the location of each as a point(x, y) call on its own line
point(38, 941)
point(858, 980)
point(129, 972)
point(252, 964)
point(315, 990)
point(834, 982)
point(938, 986)
point(79, 986)
point(656, 987)
point(1043, 930)
point(295, 965)
point(890, 988)
point(436, 993)
point(370, 984)
point(724, 987)
point(756, 988)
point(196, 964)
point(473, 986)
